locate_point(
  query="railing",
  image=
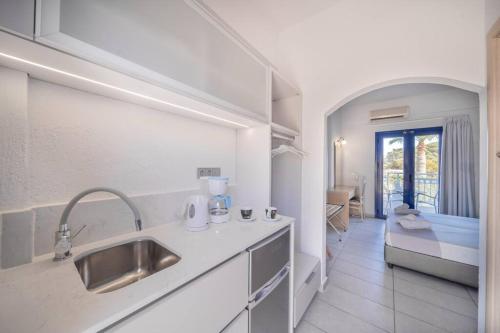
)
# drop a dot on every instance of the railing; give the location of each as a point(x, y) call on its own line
point(425, 183)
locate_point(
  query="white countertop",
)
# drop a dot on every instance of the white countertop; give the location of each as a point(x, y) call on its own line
point(48, 296)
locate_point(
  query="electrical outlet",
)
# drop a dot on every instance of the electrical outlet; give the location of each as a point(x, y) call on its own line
point(216, 172)
point(207, 172)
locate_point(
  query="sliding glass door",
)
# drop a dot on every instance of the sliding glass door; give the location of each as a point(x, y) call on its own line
point(407, 169)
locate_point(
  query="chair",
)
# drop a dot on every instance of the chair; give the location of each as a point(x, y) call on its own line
point(434, 200)
point(394, 195)
point(357, 204)
point(332, 214)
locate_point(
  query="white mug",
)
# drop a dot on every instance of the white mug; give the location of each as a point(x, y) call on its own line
point(271, 212)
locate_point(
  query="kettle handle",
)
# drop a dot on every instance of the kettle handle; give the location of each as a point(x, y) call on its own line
point(190, 211)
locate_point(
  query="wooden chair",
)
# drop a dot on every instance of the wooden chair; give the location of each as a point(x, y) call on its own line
point(357, 204)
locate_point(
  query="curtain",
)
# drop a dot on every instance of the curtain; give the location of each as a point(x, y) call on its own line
point(456, 187)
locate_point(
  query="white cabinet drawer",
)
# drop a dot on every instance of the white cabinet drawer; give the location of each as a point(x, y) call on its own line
point(207, 304)
point(305, 294)
point(239, 324)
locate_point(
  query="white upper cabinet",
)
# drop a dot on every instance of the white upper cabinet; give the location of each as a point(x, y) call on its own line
point(16, 16)
point(173, 44)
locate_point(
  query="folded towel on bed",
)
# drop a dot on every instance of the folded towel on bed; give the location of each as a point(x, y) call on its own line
point(409, 217)
point(405, 209)
point(410, 222)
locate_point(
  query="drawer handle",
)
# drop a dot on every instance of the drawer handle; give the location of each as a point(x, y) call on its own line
point(310, 277)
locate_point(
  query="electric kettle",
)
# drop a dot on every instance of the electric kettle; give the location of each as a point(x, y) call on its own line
point(196, 213)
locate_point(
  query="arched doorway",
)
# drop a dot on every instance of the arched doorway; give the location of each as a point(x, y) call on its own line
point(482, 147)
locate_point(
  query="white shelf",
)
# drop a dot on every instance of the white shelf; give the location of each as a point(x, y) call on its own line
point(277, 128)
point(282, 88)
point(286, 104)
point(304, 265)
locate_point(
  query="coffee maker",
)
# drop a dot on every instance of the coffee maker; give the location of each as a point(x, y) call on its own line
point(219, 203)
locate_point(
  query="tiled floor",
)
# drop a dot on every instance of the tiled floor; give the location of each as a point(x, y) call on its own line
point(363, 295)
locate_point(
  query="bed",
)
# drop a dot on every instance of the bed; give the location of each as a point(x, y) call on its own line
point(449, 250)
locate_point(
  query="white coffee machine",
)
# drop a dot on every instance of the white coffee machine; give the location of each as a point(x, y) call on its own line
point(219, 203)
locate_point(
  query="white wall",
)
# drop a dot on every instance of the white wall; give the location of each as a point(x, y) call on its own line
point(427, 110)
point(334, 132)
point(77, 140)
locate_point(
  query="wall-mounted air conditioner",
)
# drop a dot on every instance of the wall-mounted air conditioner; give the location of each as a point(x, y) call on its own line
point(400, 112)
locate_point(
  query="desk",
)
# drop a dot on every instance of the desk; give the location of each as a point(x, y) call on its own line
point(341, 194)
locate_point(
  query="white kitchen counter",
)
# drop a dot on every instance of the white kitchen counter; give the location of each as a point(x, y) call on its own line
point(48, 296)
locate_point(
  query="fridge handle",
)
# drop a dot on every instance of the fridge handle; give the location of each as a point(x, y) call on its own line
point(261, 295)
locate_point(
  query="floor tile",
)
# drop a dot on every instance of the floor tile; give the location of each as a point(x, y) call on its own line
point(364, 246)
point(407, 324)
point(359, 251)
point(374, 225)
point(431, 282)
point(367, 236)
point(360, 307)
point(436, 316)
point(463, 306)
point(369, 275)
point(376, 265)
point(373, 292)
point(305, 327)
point(333, 320)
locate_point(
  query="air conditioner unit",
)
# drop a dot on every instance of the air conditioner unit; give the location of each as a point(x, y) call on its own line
point(399, 112)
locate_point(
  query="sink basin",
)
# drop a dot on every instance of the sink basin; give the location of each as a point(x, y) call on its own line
point(118, 266)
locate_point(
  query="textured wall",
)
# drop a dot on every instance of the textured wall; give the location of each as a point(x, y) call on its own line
point(56, 142)
point(80, 140)
point(13, 140)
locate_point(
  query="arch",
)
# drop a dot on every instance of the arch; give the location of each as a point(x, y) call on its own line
point(483, 140)
point(431, 80)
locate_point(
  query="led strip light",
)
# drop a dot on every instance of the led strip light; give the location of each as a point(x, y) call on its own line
point(129, 92)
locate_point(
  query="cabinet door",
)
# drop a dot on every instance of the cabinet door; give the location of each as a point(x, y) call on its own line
point(168, 43)
point(18, 16)
point(207, 304)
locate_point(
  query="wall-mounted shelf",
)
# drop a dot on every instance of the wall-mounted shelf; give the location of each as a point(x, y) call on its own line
point(286, 103)
point(284, 130)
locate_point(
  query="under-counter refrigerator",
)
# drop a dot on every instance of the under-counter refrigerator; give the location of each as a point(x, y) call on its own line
point(269, 298)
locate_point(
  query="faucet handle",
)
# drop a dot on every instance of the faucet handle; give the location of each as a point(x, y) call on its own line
point(78, 232)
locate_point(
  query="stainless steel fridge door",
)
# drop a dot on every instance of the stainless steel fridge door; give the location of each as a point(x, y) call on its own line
point(269, 312)
point(267, 259)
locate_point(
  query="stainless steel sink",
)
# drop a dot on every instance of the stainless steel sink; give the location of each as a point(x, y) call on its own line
point(117, 266)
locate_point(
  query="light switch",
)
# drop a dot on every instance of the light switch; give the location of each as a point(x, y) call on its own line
point(207, 172)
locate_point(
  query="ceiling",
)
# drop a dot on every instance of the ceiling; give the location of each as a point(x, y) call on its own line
point(279, 14)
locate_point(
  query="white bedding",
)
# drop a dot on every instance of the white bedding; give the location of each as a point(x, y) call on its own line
point(451, 237)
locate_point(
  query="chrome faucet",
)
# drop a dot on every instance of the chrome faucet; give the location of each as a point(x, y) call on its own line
point(62, 246)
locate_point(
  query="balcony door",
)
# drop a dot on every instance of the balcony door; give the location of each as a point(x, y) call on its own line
point(407, 169)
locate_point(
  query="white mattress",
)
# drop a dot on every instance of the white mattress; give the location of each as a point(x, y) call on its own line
point(451, 237)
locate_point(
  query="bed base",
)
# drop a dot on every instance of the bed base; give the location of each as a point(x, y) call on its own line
point(442, 268)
